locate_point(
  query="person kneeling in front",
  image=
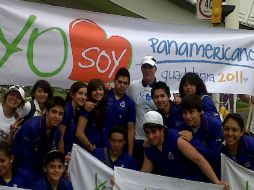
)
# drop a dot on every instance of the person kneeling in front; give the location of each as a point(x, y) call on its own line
point(173, 156)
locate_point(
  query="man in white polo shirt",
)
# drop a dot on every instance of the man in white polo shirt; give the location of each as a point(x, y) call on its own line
point(140, 92)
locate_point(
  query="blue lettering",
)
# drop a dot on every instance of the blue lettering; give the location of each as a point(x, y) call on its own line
point(162, 47)
point(154, 42)
point(207, 51)
point(183, 50)
point(249, 55)
point(176, 75)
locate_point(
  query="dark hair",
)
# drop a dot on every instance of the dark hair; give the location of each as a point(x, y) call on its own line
point(192, 102)
point(99, 110)
point(54, 155)
point(7, 150)
point(74, 89)
point(44, 85)
point(122, 72)
point(118, 129)
point(153, 126)
point(236, 117)
point(94, 84)
point(194, 79)
point(5, 97)
point(55, 101)
point(160, 85)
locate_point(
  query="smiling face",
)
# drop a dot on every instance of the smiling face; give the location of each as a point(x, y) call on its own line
point(148, 72)
point(5, 164)
point(54, 170)
point(161, 100)
point(41, 96)
point(189, 88)
point(98, 94)
point(155, 136)
point(79, 98)
point(192, 117)
point(54, 116)
point(232, 133)
point(13, 99)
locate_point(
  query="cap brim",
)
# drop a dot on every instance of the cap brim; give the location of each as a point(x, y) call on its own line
point(15, 90)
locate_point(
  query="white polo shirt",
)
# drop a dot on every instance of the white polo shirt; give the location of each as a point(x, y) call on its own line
point(143, 102)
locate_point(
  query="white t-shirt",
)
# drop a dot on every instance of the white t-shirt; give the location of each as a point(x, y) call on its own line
point(5, 124)
point(143, 102)
point(24, 111)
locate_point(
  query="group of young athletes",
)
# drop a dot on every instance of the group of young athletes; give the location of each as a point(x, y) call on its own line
point(136, 125)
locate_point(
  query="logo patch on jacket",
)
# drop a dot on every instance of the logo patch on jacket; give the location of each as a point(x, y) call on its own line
point(171, 156)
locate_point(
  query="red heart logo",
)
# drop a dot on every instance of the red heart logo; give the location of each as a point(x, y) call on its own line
point(95, 56)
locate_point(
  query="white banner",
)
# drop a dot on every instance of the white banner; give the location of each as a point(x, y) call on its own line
point(239, 177)
point(10, 188)
point(62, 45)
point(87, 172)
point(127, 180)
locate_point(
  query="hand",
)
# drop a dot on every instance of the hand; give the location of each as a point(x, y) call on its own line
point(91, 147)
point(67, 159)
point(112, 181)
point(107, 86)
point(146, 144)
point(186, 135)
point(226, 185)
point(89, 106)
point(15, 126)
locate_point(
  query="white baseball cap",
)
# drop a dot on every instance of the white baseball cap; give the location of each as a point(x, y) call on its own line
point(18, 89)
point(148, 60)
point(153, 117)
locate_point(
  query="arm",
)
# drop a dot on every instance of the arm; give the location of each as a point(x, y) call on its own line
point(80, 134)
point(192, 154)
point(131, 137)
point(13, 129)
point(186, 135)
point(213, 145)
point(89, 106)
point(131, 126)
point(26, 144)
point(246, 98)
point(208, 143)
point(147, 166)
point(62, 128)
point(208, 104)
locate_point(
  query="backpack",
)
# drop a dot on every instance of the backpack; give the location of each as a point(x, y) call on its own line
point(31, 112)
